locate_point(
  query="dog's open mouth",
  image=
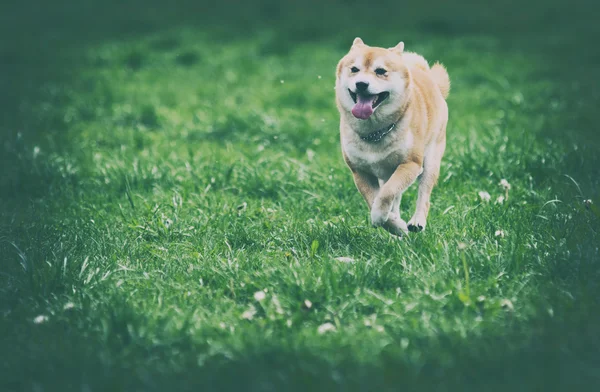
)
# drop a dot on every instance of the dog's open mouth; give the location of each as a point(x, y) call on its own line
point(365, 104)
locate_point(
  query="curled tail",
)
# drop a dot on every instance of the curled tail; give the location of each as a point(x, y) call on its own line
point(441, 78)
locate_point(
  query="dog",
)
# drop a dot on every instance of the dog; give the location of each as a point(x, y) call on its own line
point(393, 117)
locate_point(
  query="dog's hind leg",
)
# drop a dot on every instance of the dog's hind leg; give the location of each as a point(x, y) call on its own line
point(395, 224)
point(428, 179)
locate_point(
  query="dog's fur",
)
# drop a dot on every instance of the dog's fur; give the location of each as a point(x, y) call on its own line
point(416, 104)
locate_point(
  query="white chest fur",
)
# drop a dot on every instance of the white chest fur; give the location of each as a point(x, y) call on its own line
point(379, 159)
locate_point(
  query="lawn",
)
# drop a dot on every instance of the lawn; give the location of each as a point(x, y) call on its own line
point(175, 213)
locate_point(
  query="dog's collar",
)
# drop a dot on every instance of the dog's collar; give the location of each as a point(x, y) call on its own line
point(376, 136)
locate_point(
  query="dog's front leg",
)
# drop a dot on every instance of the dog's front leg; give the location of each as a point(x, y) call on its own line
point(367, 185)
point(402, 178)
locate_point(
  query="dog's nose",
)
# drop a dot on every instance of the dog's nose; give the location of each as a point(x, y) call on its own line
point(361, 86)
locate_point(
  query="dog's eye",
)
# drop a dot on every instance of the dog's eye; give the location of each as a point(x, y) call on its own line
point(354, 70)
point(380, 71)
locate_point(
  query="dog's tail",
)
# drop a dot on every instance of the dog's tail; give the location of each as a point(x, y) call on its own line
point(441, 78)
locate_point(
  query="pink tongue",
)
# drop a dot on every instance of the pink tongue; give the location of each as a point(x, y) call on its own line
point(364, 107)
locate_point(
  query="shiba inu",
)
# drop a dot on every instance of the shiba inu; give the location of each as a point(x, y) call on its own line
point(393, 117)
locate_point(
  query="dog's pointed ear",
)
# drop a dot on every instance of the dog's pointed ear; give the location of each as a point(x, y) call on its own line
point(357, 42)
point(398, 48)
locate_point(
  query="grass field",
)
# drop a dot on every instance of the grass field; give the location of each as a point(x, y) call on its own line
point(176, 214)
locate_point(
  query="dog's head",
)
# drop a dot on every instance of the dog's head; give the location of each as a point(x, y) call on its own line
point(370, 79)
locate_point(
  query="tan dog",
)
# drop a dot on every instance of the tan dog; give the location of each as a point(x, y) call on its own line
point(393, 117)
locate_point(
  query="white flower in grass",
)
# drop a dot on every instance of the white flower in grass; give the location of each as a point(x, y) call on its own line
point(504, 184)
point(307, 304)
point(40, 319)
point(500, 200)
point(260, 295)
point(499, 233)
point(588, 203)
point(485, 197)
point(345, 259)
point(404, 342)
point(324, 328)
point(277, 305)
point(507, 303)
point(249, 314)
point(69, 305)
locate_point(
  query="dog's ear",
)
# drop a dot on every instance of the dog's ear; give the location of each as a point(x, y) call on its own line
point(357, 42)
point(398, 48)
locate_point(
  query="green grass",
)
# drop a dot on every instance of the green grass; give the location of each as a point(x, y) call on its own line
point(161, 165)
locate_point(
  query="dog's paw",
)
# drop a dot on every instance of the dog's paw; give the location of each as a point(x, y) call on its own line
point(396, 226)
point(379, 217)
point(417, 224)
